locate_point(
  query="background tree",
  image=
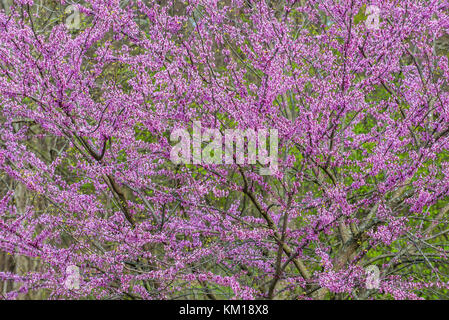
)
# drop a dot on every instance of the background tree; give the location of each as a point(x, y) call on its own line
point(363, 139)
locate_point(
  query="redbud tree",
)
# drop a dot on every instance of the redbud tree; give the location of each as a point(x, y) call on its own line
point(356, 90)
